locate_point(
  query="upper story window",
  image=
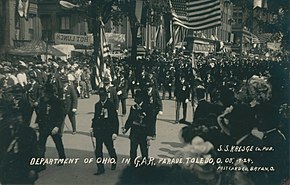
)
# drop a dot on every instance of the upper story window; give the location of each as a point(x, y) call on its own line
point(31, 22)
point(65, 23)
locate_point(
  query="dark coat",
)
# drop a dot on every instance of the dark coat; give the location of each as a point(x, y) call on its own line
point(153, 101)
point(32, 94)
point(112, 95)
point(51, 114)
point(138, 123)
point(279, 157)
point(18, 144)
point(256, 157)
point(182, 91)
point(204, 111)
point(105, 119)
point(122, 85)
point(69, 99)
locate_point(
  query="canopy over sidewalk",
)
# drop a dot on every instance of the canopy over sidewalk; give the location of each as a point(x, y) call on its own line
point(36, 48)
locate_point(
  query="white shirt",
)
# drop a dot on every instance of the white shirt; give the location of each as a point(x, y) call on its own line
point(22, 78)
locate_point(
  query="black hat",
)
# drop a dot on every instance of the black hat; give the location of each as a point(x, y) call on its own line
point(102, 91)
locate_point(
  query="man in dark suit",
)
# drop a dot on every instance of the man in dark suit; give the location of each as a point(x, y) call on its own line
point(50, 120)
point(241, 124)
point(182, 93)
point(141, 130)
point(122, 86)
point(267, 117)
point(105, 128)
point(203, 107)
point(131, 82)
point(154, 103)
point(69, 101)
point(111, 92)
point(31, 98)
point(167, 84)
point(18, 145)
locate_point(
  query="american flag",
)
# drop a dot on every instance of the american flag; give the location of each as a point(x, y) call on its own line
point(196, 14)
point(105, 49)
point(105, 52)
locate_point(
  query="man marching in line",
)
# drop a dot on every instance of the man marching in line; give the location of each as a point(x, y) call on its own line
point(154, 103)
point(50, 119)
point(111, 92)
point(141, 130)
point(105, 128)
point(69, 101)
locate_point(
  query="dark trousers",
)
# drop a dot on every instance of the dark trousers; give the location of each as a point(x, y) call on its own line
point(135, 142)
point(123, 102)
point(72, 118)
point(104, 138)
point(43, 135)
point(152, 118)
point(184, 107)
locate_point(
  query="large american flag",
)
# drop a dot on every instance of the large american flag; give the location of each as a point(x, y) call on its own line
point(196, 14)
point(104, 53)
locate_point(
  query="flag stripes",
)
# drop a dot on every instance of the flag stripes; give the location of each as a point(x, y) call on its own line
point(200, 14)
point(105, 52)
point(105, 49)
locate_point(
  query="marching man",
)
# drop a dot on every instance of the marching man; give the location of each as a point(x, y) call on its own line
point(141, 130)
point(105, 128)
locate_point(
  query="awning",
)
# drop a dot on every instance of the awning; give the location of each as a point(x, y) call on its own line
point(36, 48)
point(66, 49)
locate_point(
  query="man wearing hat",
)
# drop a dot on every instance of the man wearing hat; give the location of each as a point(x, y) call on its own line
point(154, 103)
point(141, 130)
point(50, 119)
point(69, 101)
point(182, 93)
point(31, 98)
point(122, 86)
point(105, 128)
point(203, 107)
point(111, 92)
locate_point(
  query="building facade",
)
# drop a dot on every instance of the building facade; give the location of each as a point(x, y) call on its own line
point(17, 29)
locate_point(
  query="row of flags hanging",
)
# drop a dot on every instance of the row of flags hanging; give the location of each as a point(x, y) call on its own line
point(196, 15)
point(187, 15)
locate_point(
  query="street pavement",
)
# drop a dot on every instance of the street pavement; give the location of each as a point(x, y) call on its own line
point(80, 146)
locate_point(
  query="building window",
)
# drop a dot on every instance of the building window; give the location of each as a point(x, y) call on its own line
point(65, 24)
point(46, 27)
point(31, 24)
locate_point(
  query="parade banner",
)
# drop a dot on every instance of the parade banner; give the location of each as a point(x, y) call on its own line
point(85, 40)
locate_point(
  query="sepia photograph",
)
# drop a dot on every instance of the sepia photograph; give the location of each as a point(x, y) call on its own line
point(144, 92)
